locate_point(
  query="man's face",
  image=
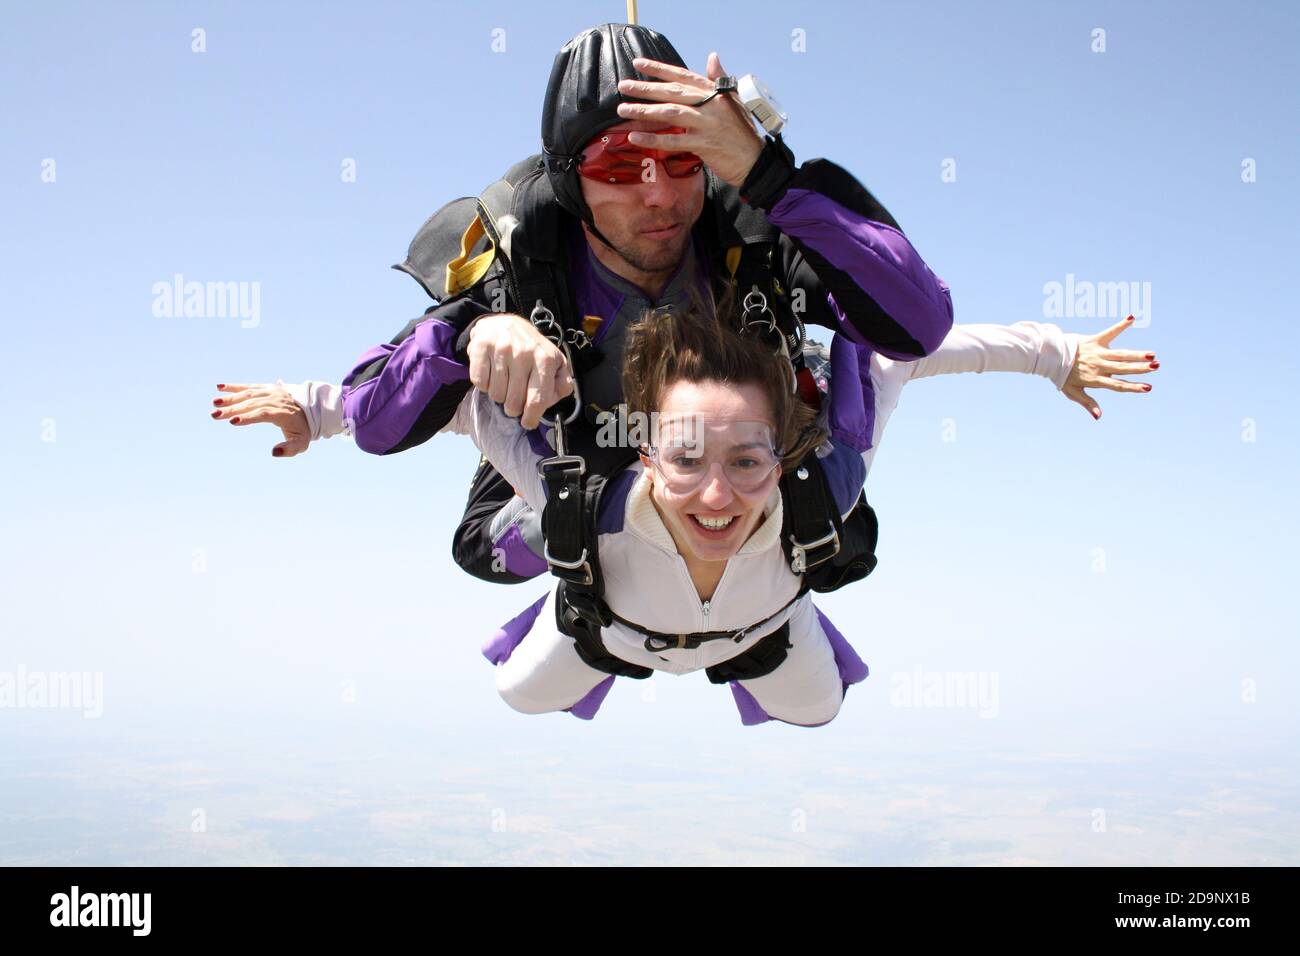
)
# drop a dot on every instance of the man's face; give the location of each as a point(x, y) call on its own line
point(648, 223)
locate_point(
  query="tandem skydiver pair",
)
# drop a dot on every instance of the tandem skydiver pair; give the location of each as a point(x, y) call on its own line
point(539, 285)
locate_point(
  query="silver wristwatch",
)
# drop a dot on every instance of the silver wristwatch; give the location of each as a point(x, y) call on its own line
point(756, 97)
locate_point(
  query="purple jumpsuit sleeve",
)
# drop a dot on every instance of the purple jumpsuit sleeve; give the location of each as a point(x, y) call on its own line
point(847, 263)
point(401, 394)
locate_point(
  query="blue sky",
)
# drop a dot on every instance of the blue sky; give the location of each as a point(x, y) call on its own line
point(1127, 581)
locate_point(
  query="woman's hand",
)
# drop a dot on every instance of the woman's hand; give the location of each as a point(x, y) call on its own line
point(249, 404)
point(1097, 363)
point(721, 132)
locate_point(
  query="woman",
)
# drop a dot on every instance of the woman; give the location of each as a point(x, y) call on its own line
point(689, 535)
point(666, 569)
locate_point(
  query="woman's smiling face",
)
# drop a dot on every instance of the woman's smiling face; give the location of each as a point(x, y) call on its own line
point(712, 520)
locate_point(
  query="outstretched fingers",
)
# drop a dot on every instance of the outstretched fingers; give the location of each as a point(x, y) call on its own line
point(295, 445)
point(238, 393)
point(1127, 355)
point(1107, 336)
point(257, 413)
point(1080, 397)
point(1120, 385)
point(237, 407)
point(1126, 368)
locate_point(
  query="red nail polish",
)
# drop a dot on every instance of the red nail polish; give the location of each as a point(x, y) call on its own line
point(221, 385)
point(1155, 364)
point(1146, 388)
point(216, 401)
point(217, 413)
point(1151, 355)
point(277, 452)
point(235, 420)
point(1129, 319)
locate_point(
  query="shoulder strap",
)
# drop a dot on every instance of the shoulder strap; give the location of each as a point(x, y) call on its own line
point(748, 243)
point(810, 524)
point(524, 220)
point(572, 551)
point(829, 551)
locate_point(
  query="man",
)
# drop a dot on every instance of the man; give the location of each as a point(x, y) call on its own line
point(620, 98)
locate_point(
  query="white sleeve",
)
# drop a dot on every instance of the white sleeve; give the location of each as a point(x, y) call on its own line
point(322, 402)
point(1032, 348)
point(502, 441)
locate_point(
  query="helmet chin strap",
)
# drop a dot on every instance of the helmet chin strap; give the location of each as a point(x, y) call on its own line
point(589, 220)
point(584, 215)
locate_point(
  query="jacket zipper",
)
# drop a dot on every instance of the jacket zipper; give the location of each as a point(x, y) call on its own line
point(705, 606)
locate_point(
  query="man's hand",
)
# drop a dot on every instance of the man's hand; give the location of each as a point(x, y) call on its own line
point(249, 404)
point(721, 132)
point(1097, 363)
point(517, 366)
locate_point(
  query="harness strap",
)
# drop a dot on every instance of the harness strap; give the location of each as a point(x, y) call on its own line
point(753, 271)
point(810, 532)
point(563, 522)
point(660, 641)
point(759, 661)
point(586, 637)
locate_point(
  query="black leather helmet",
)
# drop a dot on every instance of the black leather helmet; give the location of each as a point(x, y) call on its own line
point(582, 99)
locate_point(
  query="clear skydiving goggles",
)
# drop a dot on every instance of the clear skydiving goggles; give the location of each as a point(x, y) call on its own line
point(685, 449)
point(610, 158)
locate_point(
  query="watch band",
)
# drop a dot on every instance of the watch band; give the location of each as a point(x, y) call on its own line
point(723, 84)
point(773, 172)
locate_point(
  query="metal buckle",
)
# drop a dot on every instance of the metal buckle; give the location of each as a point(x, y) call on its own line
point(579, 565)
point(799, 550)
point(557, 460)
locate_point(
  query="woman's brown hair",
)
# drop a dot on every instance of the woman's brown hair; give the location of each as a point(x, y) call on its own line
point(703, 343)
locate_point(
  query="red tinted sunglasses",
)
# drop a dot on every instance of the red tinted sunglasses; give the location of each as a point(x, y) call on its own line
point(610, 158)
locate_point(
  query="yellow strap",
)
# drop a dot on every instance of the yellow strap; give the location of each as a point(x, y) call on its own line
point(733, 259)
point(463, 272)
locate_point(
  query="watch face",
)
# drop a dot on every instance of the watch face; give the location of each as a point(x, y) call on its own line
point(772, 100)
point(776, 108)
point(758, 99)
